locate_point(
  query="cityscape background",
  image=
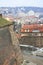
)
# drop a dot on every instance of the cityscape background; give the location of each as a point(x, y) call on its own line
point(22, 14)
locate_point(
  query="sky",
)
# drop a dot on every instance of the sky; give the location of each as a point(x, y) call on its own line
point(19, 3)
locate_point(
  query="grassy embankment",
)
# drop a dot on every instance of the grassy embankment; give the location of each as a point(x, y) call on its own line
point(4, 22)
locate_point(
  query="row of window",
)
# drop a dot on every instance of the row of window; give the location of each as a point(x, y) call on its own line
point(27, 30)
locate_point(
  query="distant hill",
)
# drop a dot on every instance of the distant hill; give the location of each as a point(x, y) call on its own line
point(15, 10)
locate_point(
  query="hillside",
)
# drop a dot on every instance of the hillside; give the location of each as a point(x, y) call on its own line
point(16, 10)
point(4, 22)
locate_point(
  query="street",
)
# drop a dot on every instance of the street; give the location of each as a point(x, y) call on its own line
point(31, 58)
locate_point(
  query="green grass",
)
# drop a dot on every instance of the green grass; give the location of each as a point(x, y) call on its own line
point(4, 22)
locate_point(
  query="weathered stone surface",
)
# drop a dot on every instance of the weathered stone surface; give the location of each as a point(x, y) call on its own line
point(9, 47)
point(15, 43)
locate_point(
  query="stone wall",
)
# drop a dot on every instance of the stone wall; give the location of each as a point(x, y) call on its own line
point(15, 43)
point(31, 39)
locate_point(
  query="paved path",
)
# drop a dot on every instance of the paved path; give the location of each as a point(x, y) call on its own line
point(34, 59)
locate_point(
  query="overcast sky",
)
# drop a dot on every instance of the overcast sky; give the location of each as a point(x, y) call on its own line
point(16, 3)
